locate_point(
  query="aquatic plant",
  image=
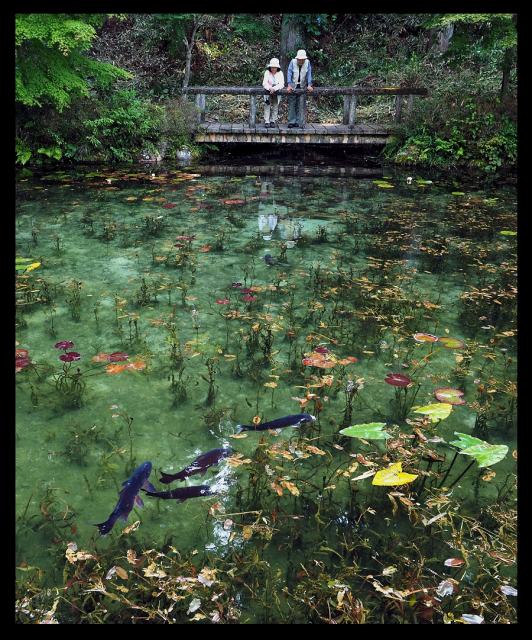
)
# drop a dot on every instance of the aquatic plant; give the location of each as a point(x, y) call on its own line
point(74, 299)
point(212, 370)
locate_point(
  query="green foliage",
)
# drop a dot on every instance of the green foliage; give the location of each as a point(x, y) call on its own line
point(125, 124)
point(252, 27)
point(50, 66)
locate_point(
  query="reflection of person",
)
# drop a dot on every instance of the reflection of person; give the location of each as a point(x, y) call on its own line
point(299, 76)
point(269, 213)
point(272, 82)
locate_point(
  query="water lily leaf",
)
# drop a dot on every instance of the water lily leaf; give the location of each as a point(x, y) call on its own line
point(425, 337)
point(436, 412)
point(507, 232)
point(451, 343)
point(486, 454)
point(454, 562)
point(393, 476)
point(451, 396)
point(508, 590)
point(397, 380)
point(368, 431)
point(465, 440)
point(457, 193)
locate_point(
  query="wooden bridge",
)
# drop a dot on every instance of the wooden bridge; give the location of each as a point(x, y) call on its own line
point(349, 132)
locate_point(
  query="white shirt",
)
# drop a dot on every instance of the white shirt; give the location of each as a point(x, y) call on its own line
point(273, 81)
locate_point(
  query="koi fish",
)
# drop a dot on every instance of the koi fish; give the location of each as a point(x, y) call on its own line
point(199, 465)
point(287, 421)
point(128, 497)
point(182, 493)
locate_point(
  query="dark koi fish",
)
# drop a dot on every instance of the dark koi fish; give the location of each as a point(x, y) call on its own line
point(199, 465)
point(128, 497)
point(287, 421)
point(182, 493)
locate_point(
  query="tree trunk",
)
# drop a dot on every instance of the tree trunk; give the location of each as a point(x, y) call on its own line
point(189, 44)
point(291, 40)
point(444, 37)
point(507, 64)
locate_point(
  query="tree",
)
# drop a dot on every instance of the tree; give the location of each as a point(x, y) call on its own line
point(291, 37)
point(491, 32)
point(50, 65)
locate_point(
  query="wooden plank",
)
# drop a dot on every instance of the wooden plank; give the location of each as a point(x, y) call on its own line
point(398, 108)
point(347, 102)
point(252, 110)
point(324, 91)
point(352, 111)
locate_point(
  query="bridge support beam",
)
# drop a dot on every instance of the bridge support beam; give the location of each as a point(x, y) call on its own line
point(252, 110)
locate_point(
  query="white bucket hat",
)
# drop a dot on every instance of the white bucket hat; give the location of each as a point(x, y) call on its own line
point(301, 54)
point(274, 62)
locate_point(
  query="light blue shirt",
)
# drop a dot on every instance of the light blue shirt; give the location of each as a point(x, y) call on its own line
point(293, 74)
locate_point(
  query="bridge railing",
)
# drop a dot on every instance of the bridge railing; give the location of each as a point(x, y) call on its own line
point(349, 93)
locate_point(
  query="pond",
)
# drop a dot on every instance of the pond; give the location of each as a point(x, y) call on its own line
point(193, 303)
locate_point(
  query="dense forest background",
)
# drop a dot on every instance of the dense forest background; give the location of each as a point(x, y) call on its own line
point(93, 87)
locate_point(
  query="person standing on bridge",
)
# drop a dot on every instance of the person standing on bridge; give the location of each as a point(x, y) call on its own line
point(272, 82)
point(299, 76)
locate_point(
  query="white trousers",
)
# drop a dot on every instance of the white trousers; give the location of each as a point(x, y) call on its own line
point(271, 107)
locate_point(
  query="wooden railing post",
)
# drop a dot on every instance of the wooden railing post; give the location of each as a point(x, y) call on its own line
point(347, 104)
point(252, 110)
point(200, 105)
point(302, 109)
point(352, 111)
point(398, 108)
point(409, 105)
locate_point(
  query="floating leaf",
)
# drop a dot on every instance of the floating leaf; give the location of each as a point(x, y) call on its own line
point(397, 380)
point(472, 619)
point(436, 412)
point(425, 337)
point(153, 571)
point(451, 396)
point(486, 454)
point(194, 605)
point(454, 562)
point(508, 590)
point(131, 528)
point(368, 431)
point(465, 440)
point(506, 232)
point(116, 368)
point(445, 588)
point(457, 193)
point(451, 343)
point(392, 476)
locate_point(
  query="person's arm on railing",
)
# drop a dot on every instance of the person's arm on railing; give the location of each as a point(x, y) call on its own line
point(280, 83)
point(290, 77)
point(309, 78)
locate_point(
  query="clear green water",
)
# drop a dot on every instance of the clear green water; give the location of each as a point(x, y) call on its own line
point(336, 291)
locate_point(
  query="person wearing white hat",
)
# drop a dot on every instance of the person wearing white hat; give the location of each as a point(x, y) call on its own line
point(272, 82)
point(299, 76)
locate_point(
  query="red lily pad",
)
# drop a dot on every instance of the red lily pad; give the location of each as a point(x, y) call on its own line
point(452, 343)
point(118, 356)
point(425, 337)
point(348, 360)
point(223, 301)
point(169, 205)
point(234, 201)
point(450, 396)
point(21, 353)
point(397, 380)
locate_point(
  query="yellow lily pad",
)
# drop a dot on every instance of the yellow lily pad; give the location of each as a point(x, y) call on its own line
point(393, 476)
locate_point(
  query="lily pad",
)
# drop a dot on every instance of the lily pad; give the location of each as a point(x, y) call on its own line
point(451, 343)
point(368, 431)
point(451, 396)
point(393, 476)
point(483, 452)
point(457, 193)
point(397, 380)
point(436, 412)
point(465, 440)
point(425, 337)
point(506, 232)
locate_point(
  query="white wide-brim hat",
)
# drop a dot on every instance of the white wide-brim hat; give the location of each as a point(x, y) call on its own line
point(274, 62)
point(301, 54)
